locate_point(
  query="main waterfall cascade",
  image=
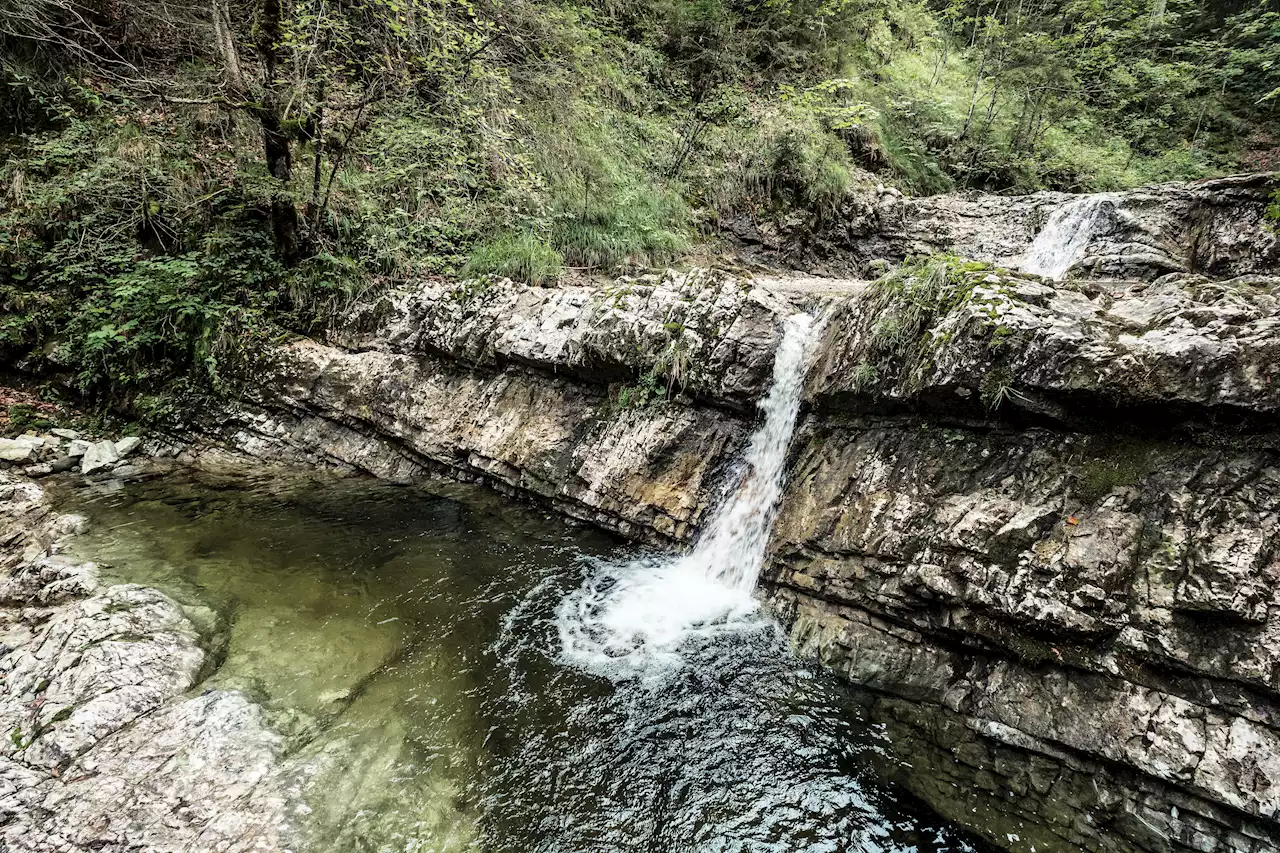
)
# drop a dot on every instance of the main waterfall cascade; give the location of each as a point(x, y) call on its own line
point(1066, 235)
point(630, 619)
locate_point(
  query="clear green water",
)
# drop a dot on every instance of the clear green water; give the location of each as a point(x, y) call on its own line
point(408, 637)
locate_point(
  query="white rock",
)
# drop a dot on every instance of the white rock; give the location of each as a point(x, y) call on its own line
point(77, 447)
point(68, 434)
point(127, 445)
point(101, 454)
point(16, 450)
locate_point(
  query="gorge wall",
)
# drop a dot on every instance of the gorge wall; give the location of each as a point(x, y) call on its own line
point(1214, 227)
point(1035, 522)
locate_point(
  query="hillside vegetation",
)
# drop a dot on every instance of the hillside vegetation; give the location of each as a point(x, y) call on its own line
point(183, 180)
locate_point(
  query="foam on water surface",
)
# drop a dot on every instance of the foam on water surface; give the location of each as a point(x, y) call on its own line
point(631, 619)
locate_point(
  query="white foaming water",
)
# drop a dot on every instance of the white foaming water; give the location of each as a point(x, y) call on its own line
point(1065, 236)
point(630, 619)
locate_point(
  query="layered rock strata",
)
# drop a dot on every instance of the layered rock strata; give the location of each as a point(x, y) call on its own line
point(1037, 521)
point(544, 393)
point(1213, 227)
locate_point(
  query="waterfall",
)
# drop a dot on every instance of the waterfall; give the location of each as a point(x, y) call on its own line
point(1065, 236)
point(630, 618)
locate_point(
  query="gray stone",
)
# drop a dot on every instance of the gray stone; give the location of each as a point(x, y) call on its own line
point(127, 445)
point(104, 748)
point(17, 449)
point(68, 434)
point(99, 455)
point(65, 463)
point(78, 447)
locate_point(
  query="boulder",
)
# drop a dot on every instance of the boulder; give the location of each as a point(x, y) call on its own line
point(64, 463)
point(16, 450)
point(68, 434)
point(100, 683)
point(127, 445)
point(99, 455)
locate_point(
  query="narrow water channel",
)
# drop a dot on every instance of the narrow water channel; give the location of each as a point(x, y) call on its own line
point(413, 638)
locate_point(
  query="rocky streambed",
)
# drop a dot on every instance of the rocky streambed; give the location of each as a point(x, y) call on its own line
point(267, 658)
point(1032, 524)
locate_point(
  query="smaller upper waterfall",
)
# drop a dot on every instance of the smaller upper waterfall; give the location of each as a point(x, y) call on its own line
point(1065, 236)
point(629, 619)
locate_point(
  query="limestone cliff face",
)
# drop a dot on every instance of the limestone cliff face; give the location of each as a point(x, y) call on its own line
point(1038, 521)
point(1052, 511)
point(1214, 227)
point(546, 393)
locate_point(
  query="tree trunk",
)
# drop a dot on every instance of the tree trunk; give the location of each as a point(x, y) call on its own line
point(227, 47)
point(277, 143)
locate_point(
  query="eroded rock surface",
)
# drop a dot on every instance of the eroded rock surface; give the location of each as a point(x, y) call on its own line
point(549, 394)
point(103, 747)
point(1181, 351)
point(1038, 521)
point(1068, 594)
point(1213, 227)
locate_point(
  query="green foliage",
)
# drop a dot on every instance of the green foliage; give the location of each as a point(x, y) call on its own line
point(129, 262)
point(996, 388)
point(522, 256)
point(864, 376)
point(908, 301)
point(904, 306)
point(648, 391)
point(140, 236)
point(24, 417)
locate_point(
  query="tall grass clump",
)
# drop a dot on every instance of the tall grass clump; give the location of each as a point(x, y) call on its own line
point(520, 255)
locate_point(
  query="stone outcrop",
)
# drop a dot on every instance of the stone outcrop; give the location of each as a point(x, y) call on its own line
point(103, 748)
point(1213, 227)
point(1037, 521)
point(538, 392)
point(1183, 353)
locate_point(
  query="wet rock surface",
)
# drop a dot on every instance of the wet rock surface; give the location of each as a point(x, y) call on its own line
point(104, 747)
point(1056, 596)
point(1041, 526)
point(1214, 227)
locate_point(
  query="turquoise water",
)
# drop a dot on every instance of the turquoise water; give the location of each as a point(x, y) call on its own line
point(407, 636)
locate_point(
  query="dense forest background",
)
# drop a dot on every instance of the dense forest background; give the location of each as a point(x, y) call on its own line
point(183, 179)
